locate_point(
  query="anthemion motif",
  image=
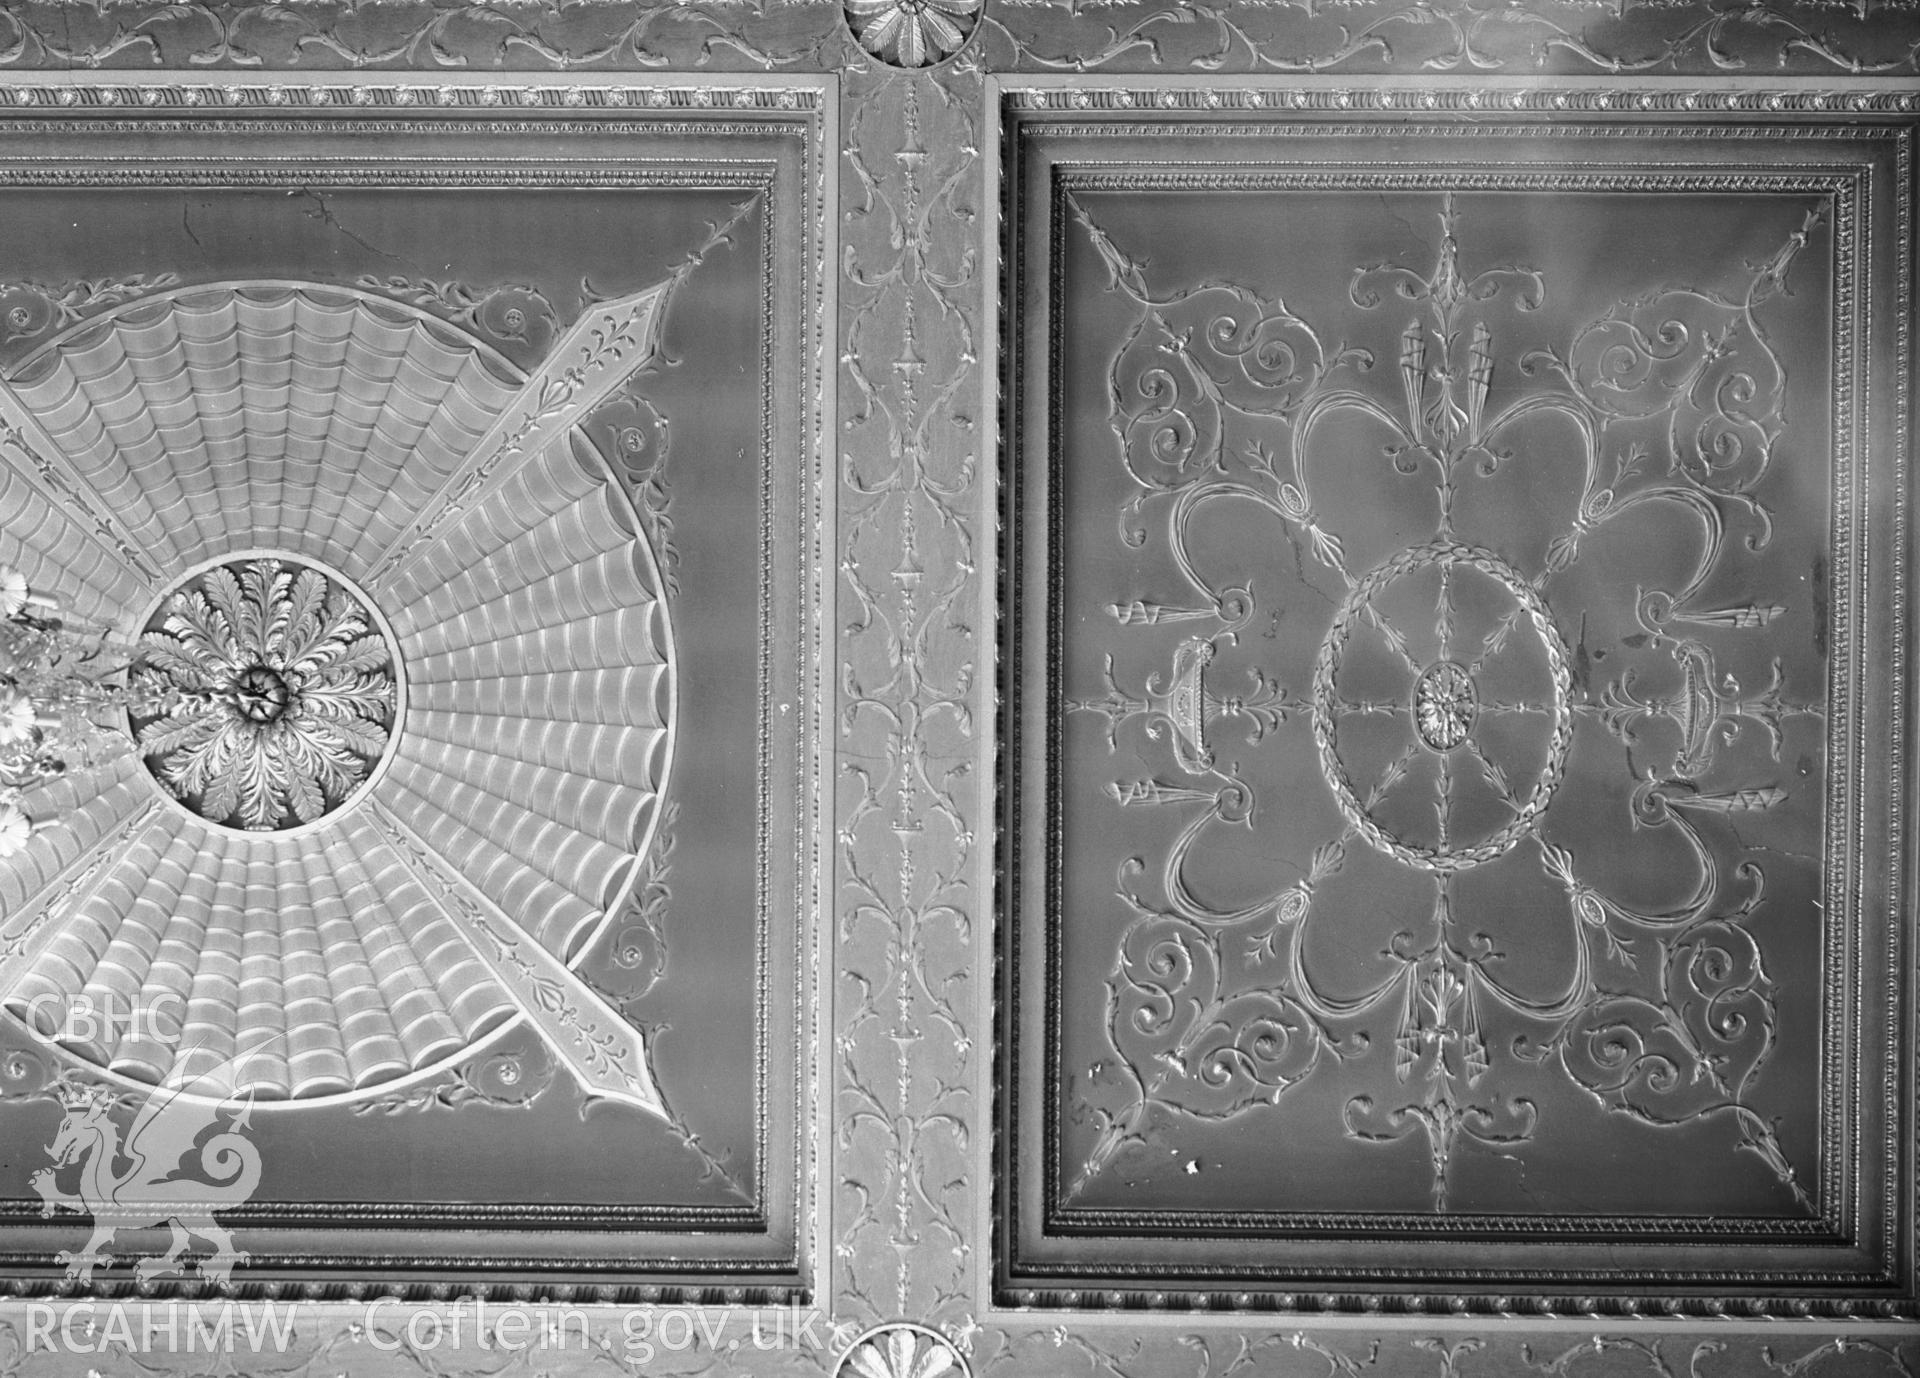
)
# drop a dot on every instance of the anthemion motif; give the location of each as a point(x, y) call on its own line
point(912, 33)
point(901, 1350)
point(1452, 686)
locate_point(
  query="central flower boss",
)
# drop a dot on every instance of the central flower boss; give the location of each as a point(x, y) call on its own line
point(281, 689)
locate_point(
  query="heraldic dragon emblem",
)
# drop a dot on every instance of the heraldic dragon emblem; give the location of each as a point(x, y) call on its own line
point(152, 1190)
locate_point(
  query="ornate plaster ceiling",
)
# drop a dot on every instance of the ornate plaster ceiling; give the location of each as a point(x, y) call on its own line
point(306, 488)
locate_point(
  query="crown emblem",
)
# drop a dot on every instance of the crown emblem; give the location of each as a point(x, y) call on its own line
point(82, 1095)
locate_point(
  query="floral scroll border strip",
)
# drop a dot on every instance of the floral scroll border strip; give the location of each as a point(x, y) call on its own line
point(1070, 97)
point(419, 34)
point(1447, 36)
point(912, 925)
point(1558, 37)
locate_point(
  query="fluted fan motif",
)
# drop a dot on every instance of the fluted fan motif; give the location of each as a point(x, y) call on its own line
point(344, 432)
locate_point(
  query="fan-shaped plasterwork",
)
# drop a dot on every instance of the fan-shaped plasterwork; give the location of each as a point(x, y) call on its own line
point(277, 690)
point(396, 565)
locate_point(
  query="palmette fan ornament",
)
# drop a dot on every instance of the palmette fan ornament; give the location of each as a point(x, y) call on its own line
point(403, 700)
point(912, 33)
point(901, 1350)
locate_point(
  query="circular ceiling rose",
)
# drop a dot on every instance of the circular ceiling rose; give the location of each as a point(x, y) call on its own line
point(422, 676)
point(281, 686)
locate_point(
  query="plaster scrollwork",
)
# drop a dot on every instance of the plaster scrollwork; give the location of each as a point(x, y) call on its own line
point(642, 450)
point(514, 311)
point(29, 310)
point(1214, 36)
point(636, 946)
point(1222, 398)
point(1300, 36)
point(512, 1076)
point(907, 1042)
point(422, 35)
point(631, 961)
point(1190, 1042)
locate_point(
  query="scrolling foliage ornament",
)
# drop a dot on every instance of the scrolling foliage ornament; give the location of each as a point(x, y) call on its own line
point(1443, 706)
point(1357, 36)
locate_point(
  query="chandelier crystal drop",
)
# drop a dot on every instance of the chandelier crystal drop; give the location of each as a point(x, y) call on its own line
point(63, 686)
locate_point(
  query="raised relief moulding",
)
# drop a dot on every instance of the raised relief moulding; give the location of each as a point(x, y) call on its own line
point(421, 684)
point(1439, 784)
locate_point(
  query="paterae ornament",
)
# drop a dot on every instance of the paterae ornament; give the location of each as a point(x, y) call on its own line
point(284, 693)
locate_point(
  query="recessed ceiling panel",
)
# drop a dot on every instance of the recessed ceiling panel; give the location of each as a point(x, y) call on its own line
point(452, 839)
point(1445, 766)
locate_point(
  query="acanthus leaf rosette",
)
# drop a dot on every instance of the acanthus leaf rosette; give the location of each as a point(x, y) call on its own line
point(282, 694)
